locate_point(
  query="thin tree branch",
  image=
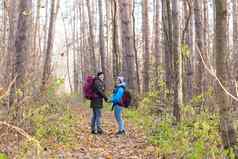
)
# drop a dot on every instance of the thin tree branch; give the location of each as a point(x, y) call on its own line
point(213, 73)
point(236, 88)
point(8, 89)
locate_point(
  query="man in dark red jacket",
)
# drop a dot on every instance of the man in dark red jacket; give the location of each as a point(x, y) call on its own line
point(97, 103)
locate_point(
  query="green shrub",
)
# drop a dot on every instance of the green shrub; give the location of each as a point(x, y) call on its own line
point(195, 137)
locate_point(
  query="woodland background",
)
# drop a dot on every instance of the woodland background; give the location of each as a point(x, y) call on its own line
point(179, 58)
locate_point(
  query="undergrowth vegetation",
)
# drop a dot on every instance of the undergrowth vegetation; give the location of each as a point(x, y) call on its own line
point(195, 137)
point(51, 123)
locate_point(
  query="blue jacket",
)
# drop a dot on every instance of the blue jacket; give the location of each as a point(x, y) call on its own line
point(118, 93)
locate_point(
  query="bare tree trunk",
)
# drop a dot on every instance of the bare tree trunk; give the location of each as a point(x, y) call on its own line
point(34, 50)
point(115, 48)
point(75, 57)
point(10, 62)
point(167, 27)
point(83, 42)
point(205, 81)
point(157, 52)
point(13, 18)
point(23, 37)
point(187, 41)
point(146, 54)
point(86, 64)
point(178, 92)
point(199, 42)
point(45, 26)
point(235, 39)
point(78, 53)
point(190, 72)
point(101, 41)
point(47, 60)
point(4, 23)
point(135, 49)
point(127, 44)
point(3, 45)
point(93, 63)
point(67, 54)
point(228, 133)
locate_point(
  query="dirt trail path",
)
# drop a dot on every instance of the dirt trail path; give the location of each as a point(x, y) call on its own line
point(109, 146)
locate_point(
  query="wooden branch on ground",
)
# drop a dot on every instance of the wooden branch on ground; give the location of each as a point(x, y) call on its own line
point(24, 134)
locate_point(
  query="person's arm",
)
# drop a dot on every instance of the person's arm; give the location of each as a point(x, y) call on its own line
point(118, 96)
point(99, 90)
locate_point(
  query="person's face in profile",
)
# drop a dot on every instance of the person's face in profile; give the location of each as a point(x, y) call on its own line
point(101, 77)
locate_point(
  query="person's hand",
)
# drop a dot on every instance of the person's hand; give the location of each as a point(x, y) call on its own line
point(109, 101)
point(106, 99)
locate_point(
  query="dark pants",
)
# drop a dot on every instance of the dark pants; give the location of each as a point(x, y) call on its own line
point(96, 119)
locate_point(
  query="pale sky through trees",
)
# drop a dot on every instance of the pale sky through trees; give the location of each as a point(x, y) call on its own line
point(66, 12)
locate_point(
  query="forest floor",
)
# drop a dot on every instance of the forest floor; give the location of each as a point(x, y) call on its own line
point(133, 145)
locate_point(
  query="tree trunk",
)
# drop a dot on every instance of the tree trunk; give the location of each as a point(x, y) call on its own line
point(83, 42)
point(228, 133)
point(187, 50)
point(101, 41)
point(135, 49)
point(23, 37)
point(4, 23)
point(10, 62)
point(93, 64)
point(235, 39)
point(11, 45)
point(50, 42)
point(205, 79)
point(188, 41)
point(167, 28)
point(86, 64)
point(178, 92)
point(75, 56)
point(45, 27)
point(34, 48)
point(157, 52)
point(146, 53)
point(115, 48)
point(199, 42)
point(127, 44)
point(67, 54)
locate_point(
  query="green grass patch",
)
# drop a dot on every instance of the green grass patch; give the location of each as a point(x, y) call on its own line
point(3, 156)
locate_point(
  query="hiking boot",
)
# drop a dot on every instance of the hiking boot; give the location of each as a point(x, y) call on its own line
point(121, 132)
point(100, 131)
point(93, 132)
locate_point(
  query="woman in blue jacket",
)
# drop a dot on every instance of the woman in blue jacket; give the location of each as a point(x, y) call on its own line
point(118, 93)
